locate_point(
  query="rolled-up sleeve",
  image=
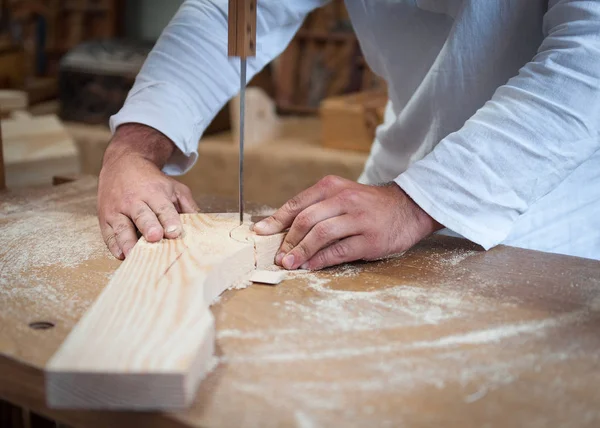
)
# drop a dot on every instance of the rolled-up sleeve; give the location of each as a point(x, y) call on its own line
point(535, 131)
point(188, 77)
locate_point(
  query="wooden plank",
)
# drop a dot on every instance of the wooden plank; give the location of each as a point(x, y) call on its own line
point(149, 338)
point(349, 122)
point(262, 123)
point(36, 149)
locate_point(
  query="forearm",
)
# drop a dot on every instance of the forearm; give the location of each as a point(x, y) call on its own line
point(141, 140)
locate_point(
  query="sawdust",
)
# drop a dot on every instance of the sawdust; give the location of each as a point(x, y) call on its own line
point(56, 242)
point(54, 238)
point(455, 257)
point(263, 211)
point(405, 345)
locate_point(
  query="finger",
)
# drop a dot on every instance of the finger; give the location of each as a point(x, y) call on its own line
point(167, 216)
point(124, 232)
point(344, 251)
point(147, 222)
point(111, 240)
point(284, 216)
point(321, 236)
point(186, 200)
point(306, 220)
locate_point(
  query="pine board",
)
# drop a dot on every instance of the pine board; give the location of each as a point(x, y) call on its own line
point(148, 340)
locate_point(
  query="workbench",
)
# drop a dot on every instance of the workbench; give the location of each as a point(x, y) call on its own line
point(444, 335)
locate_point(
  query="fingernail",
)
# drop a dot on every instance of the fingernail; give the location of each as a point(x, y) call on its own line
point(304, 266)
point(288, 261)
point(264, 227)
point(172, 229)
point(153, 234)
point(279, 257)
point(260, 226)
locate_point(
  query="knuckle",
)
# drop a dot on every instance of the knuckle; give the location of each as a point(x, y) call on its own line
point(287, 246)
point(304, 221)
point(321, 232)
point(321, 260)
point(293, 205)
point(165, 209)
point(330, 181)
point(349, 195)
point(340, 251)
point(139, 215)
point(120, 228)
point(110, 240)
point(303, 250)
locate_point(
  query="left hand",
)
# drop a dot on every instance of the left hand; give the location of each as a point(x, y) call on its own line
point(338, 221)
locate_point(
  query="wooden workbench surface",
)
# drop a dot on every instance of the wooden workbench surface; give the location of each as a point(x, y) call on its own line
point(445, 335)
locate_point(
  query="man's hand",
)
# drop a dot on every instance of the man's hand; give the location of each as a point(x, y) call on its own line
point(338, 221)
point(133, 190)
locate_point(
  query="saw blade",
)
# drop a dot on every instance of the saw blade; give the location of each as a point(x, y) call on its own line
point(242, 120)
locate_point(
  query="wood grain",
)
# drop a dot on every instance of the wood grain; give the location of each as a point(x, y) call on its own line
point(265, 247)
point(148, 340)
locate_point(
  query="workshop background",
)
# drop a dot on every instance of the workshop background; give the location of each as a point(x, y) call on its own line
point(66, 66)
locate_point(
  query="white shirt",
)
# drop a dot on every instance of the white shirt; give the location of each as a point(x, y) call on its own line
point(493, 123)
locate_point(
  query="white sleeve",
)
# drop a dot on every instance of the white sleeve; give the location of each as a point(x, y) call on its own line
point(187, 77)
point(525, 141)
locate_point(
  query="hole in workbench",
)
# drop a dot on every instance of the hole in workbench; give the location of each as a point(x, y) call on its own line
point(41, 325)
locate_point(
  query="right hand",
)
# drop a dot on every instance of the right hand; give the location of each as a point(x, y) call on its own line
point(132, 190)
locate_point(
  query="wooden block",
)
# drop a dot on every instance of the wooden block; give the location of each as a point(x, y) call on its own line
point(242, 28)
point(36, 149)
point(44, 108)
point(349, 122)
point(262, 123)
point(91, 142)
point(269, 277)
point(148, 340)
point(12, 100)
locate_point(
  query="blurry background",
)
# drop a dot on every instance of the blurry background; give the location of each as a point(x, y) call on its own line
point(66, 66)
